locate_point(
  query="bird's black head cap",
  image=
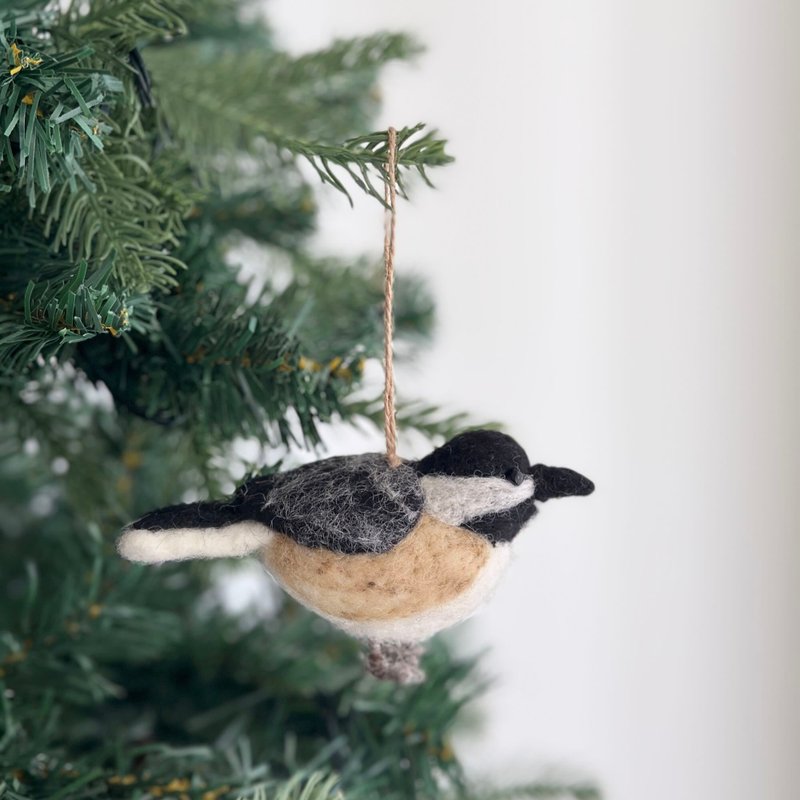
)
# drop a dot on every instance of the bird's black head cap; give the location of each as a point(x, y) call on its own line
point(488, 454)
point(491, 454)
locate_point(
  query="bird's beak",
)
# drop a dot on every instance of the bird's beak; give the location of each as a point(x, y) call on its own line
point(558, 482)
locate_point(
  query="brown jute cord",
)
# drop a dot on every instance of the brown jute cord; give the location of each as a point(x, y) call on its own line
point(387, 660)
point(390, 197)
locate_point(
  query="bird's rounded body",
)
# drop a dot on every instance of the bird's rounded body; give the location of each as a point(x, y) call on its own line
point(436, 576)
point(391, 554)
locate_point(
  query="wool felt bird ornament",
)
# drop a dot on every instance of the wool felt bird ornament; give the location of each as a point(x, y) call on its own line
point(390, 554)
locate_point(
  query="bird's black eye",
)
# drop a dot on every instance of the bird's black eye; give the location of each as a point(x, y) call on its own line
point(515, 475)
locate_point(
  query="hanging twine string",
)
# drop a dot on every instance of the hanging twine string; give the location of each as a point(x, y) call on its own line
point(390, 197)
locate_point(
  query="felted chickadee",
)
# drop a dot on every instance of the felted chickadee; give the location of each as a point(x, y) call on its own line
point(389, 554)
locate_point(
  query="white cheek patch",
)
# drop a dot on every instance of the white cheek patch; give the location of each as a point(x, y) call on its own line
point(455, 499)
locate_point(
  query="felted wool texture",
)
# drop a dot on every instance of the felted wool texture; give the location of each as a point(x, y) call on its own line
point(190, 515)
point(386, 553)
point(421, 626)
point(455, 499)
point(395, 661)
point(503, 526)
point(488, 454)
point(434, 565)
point(559, 482)
point(427, 623)
point(344, 504)
point(347, 504)
point(179, 544)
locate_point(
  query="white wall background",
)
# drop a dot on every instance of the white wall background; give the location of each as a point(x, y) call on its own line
point(616, 258)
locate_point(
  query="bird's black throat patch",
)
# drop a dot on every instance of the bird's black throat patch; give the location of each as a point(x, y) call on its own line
point(503, 526)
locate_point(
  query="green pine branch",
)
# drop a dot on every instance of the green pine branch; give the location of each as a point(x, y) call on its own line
point(54, 314)
point(122, 24)
point(50, 113)
point(210, 364)
point(221, 101)
point(415, 415)
point(24, 250)
point(131, 212)
point(213, 360)
point(264, 209)
point(320, 96)
point(339, 307)
point(228, 23)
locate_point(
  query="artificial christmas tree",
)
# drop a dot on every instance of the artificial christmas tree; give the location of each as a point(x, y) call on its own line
point(140, 143)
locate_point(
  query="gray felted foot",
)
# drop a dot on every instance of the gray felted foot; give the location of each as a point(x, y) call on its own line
point(395, 661)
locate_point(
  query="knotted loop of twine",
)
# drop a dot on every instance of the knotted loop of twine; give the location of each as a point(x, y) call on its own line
point(390, 198)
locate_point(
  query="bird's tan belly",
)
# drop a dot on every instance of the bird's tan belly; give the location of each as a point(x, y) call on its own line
point(433, 565)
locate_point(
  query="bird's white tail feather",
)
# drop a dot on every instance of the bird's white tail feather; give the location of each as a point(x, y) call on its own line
point(179, 544)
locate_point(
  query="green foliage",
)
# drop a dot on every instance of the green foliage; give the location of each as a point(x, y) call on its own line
point(210, 364)
point(49, 116)
point(320, 96)
point(112, 173)
point(119, 25)
point(55, 314)
point(353, 291)
point(309, 100)
point(24, 252)
point(416, 416)
point(127, 218)
point(133, 355)
point(281, 214)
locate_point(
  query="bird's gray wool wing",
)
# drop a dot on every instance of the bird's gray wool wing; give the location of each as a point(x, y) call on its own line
point(347, 504)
